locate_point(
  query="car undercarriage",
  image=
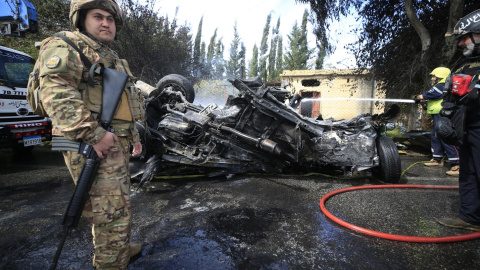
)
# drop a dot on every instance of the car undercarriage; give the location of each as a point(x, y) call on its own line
point(256, 131)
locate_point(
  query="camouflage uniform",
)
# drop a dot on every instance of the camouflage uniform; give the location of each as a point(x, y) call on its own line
point(74, 108)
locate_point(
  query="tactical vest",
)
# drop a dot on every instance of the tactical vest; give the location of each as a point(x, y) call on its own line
point(130, 107)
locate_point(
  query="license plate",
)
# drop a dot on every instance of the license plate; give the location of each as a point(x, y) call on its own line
point(34, 140)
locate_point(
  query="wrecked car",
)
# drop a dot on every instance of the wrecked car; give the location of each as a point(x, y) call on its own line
point(256, 131)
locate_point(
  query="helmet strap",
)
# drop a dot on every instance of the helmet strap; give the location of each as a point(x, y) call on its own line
point(477, 45)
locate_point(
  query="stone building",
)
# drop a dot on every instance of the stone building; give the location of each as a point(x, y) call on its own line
point(338, 94)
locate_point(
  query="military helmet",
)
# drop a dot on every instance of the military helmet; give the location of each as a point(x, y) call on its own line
point(468, 24)
point(108, 5)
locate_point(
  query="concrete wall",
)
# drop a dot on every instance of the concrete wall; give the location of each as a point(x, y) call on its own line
point(336, 84)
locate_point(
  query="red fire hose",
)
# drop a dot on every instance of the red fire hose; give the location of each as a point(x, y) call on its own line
point(395, 237)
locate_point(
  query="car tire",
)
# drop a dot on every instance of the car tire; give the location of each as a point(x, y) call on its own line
point(179, 83)
point(306, 108)
point(390, 168)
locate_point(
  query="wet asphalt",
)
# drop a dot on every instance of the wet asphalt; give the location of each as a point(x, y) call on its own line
point(249, 221)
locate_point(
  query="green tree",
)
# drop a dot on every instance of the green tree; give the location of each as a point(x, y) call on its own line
point(279, 64)
point(242, 56)
point(218, 63)
point(303, 37)
point(298, 52)
point(210, 55)
point(253, 66)
point(203, 57)
point(233, 68)
point(402, 40)
point(273, 52)
point(197, 54)
point(264, 49)
point(153, 45)
point(320, 56)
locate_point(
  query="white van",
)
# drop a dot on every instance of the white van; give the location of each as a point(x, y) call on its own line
point(20, 129)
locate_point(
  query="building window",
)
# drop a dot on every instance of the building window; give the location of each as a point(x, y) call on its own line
point(311, 82)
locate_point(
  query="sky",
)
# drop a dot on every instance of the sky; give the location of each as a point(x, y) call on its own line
point(251, 16)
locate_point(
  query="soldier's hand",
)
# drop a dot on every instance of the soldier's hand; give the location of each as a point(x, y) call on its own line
point(137, 149)
point(104, 145)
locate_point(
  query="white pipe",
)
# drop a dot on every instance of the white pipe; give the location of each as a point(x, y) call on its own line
point(362, 99)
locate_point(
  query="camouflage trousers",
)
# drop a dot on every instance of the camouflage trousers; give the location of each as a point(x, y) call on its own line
point(108, 206)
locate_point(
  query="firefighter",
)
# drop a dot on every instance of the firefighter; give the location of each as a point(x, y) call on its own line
point(462, 105)
point(434, 98)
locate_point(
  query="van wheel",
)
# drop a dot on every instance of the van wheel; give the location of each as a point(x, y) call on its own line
point(390, 168)
point(179, 83)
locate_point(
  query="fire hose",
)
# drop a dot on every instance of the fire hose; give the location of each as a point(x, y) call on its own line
point(395, 237)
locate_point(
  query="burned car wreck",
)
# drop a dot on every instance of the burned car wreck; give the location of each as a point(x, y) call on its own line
point(256, 131)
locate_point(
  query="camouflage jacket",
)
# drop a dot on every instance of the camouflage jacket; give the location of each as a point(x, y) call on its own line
point(73, 105)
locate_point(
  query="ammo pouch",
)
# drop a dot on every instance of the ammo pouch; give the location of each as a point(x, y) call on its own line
point(451, 130)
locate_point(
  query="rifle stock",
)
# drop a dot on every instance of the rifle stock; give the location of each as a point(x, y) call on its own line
point(113, 84)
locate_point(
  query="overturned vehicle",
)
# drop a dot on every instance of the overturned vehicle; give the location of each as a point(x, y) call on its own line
point(256, 131)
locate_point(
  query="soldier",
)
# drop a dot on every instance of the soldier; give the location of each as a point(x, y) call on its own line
point(74, 108)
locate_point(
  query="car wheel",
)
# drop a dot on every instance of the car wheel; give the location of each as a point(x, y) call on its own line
point(179, 83)
point(390, 164)
point(306, 108)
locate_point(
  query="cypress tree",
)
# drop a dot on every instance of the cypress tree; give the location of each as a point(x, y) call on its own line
point(210, 56)
point(242, 56)
point(196, 50)
point(253, 66)
point(264, 49)
point(298, 54)
point(273, 52)
point(218, 61)
point(321, 53)
point(233, 64)
point(279, 63)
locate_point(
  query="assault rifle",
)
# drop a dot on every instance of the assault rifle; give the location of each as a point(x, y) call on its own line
point(113, 84)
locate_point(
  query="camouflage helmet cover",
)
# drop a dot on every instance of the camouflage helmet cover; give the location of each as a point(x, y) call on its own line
point(108, 5)
point(468, 24)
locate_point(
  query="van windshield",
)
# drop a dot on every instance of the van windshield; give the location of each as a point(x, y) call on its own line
point(15, 69)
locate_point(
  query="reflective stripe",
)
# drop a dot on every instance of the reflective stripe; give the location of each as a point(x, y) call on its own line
point(437, 90)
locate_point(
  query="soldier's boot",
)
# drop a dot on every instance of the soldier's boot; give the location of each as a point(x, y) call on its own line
point(134, 249)
point(433, 163)
point(454, 171)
